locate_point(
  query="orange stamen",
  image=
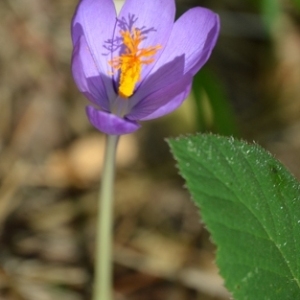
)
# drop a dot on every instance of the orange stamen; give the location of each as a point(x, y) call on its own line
point(130, 62)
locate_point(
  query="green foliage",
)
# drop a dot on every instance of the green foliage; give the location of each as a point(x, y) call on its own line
point(271, 10)
point(205, 83)
point(297, 4)
point(251, 205)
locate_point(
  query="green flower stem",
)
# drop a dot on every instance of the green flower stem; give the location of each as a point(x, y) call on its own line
point(104, 236)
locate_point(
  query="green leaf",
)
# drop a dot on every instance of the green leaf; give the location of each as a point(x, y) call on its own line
point(251, 205)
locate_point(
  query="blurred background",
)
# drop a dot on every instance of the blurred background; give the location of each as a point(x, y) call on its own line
point(51, 157)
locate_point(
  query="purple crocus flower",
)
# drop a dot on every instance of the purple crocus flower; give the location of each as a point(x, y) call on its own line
point(137, 65)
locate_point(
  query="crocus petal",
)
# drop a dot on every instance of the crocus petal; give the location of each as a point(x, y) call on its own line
point(168, 74)
point(192, 39)
point(86, 74)
point(158, 25)
point(147, 106)
point(109, 123)
point(194, 35)
point(170, 106)
point(96, 20)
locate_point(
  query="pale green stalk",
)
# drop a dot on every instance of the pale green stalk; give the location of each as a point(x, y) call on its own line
point(104, 235)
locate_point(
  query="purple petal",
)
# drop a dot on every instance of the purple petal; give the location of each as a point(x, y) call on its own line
point(194, 35)
point(148, 106)
point(170, 106)
point(87, 76)
point(155, 18)
point(192, 39)
point(167, 74)
point(96, 20)
point(109, 123)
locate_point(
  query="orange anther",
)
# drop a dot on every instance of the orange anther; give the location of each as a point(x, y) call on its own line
point(130, 62)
